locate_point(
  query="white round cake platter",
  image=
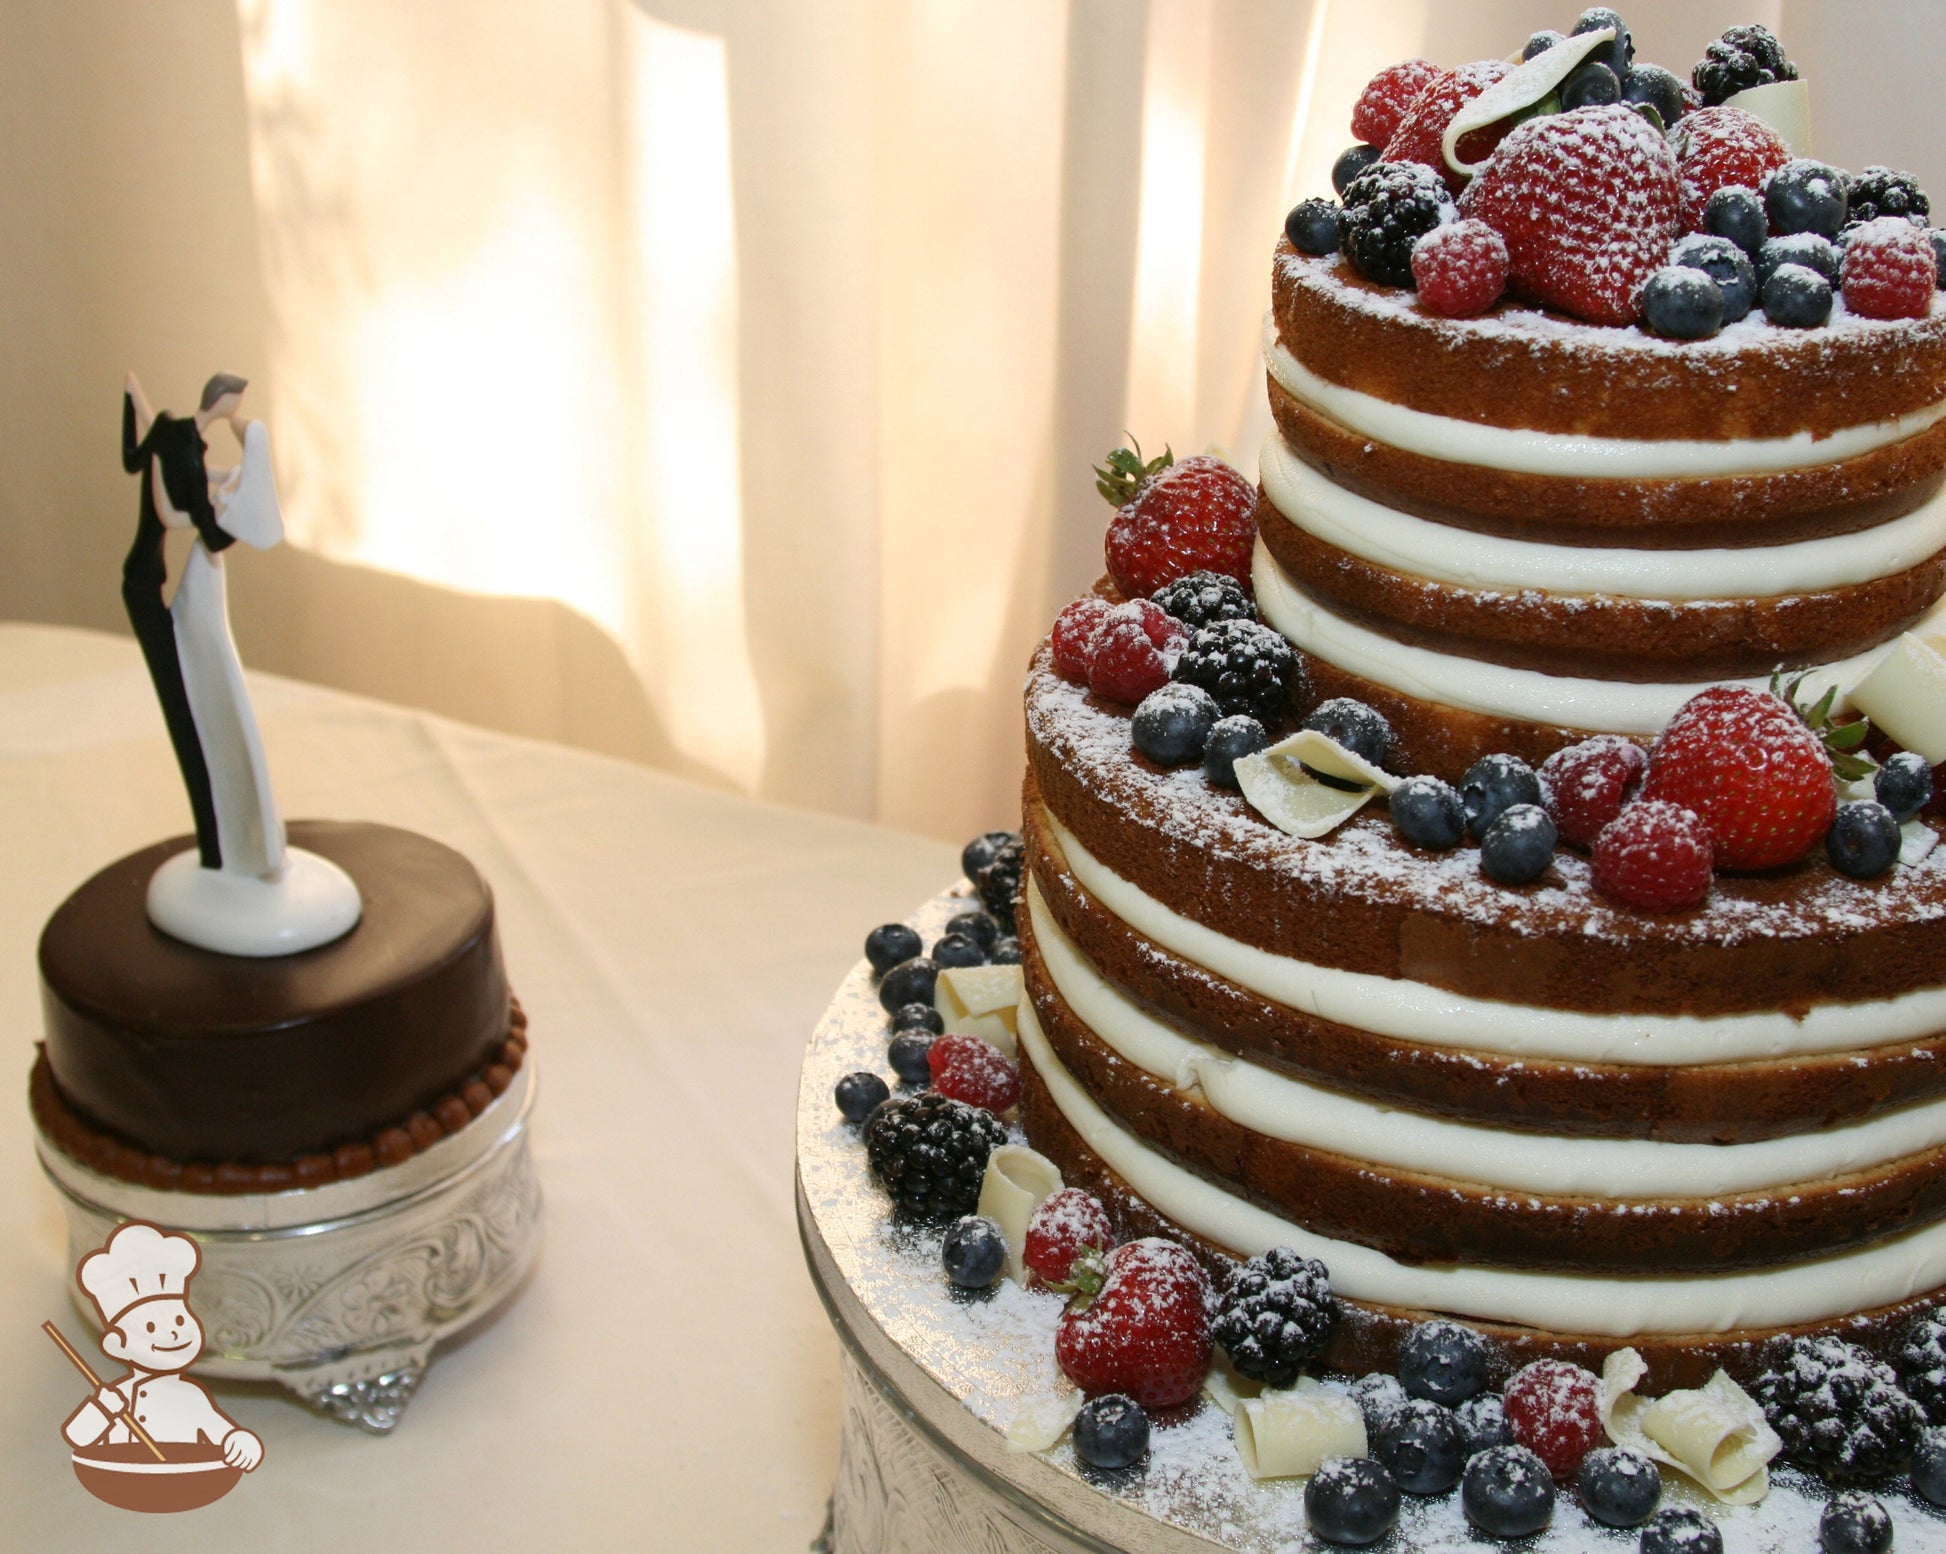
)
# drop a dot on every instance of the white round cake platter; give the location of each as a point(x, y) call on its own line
point(933, 1376)
point(339, 1293)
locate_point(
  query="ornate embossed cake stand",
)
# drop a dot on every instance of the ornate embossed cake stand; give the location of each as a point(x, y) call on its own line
point(340, 1292)
point(932, 1378)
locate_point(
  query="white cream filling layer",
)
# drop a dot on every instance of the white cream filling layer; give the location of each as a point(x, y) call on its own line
point(1432, 1016)
point(1389, 538)
point(1569, 455)
point(1599, 706)
point(1604, 1305)
point(1280, 1107)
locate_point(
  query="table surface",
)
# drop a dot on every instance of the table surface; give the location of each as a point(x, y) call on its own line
point(666, 1379)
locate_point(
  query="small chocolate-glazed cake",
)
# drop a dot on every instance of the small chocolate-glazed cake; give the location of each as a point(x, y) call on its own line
point(187, 1069)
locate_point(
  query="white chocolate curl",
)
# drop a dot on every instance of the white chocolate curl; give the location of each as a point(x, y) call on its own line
point(1040, 1421)
point(1714, 1434)
point(1290, 798)
point(1519, 88)
point(1290, 1434)
point(1018, 1181)
point(980, 1001)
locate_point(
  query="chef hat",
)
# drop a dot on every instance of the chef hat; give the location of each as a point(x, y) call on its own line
point(139, 1263)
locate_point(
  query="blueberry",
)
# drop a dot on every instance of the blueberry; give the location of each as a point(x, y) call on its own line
point(1507, 1492)
point(1443, 1361)
point(916, 1016)
point(1806, 196)
point(957, 950)
point(1376, 1395)
point(1723, 262)
point(909, 982)
point(1428, 813)
point(1660, 89)
point(1493, 783)
point(907, 1054)
point(1619, 1487)
point(1540, 43)
point(1619, 52)
point(1519, 846)
point(1854, 1523)
point(1929, 1466)
point(978, 853)
point(1593, 85)
point(1797, 297)
point(1682, 304)
point(888, 944)
point(1679, 1530)
point(1360, 729)
point(1738, 214)
point(1938, 252)
point(1904, 784)
point(1111, 1431)
point(1805, 248)
point(1484, 1419)
point(858, 1093)
point(1863, 841)
point(977, 926)
point(1423, 1447)
point(974, 1252)
point(1229, 742)
point(1172, 725)
point(1351, 1500)
point(1312, 226)
point(1352, 161)
point(1005, 951)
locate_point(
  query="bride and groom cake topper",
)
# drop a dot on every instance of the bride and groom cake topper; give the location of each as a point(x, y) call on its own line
point(242, 890)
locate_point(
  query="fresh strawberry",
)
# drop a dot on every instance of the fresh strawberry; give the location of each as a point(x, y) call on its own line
point(1176, 518)
point(1460, 268)
point(969, 1069)
point(1720, 147)
point(1386, 98)
point(1420, 132)
point(1067, 1225)
point(1747, 764)
point(1587, 203)
point(1655, 856)
point(1146, 1332)
point(1586, 785)
point(1553, 1409)
point(1073, 635)
point(1891, 269)
point(1133, 650)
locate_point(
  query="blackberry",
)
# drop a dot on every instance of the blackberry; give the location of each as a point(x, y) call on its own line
point(1921, 1365)
point(1248, 668)
point(999, 881)
point(1742, 58)
point(1879, 191)
point(1388, 208)
point(1839, 1411)
point(930, 1153)
point(1204, 598)
point(1277, 1313)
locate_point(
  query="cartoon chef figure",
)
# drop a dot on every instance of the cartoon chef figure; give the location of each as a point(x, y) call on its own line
point(139, 1283)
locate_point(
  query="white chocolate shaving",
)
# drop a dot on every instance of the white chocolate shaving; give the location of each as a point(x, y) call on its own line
point(1519, 88)
point(1292, 799)
point(1290, 1434)
point(1714, 1434)
point(1040, 1422)
point(1916, 839)
point(1226, 1389)
point(980, 1001)
point(1018, 1181)
point(1785, 106)
point(1905, 694)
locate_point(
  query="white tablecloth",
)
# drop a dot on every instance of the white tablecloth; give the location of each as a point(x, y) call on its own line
point(666, 1380)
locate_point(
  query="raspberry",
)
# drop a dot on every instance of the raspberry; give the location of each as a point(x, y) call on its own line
point(1586, 785)
point(1073, 637)
point(1656, 856)
point(1385, 100)
point(1587, 204)
point(1722, 148)
point(1195, 515)
point(1890, 269)
point(1461, 269)
point(1419, 135)
point(1133, 650)
point(1066, 1225)
point(1388, 209)
point(1553, 1410)
point(974, 1071)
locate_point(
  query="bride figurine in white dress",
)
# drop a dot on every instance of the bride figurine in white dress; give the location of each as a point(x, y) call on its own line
point(242, 891)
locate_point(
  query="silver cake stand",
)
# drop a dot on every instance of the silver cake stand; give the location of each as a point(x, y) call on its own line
point(340, 1292)
point(932, 1378)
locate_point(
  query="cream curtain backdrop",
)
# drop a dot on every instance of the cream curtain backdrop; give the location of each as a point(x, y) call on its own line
point(715, 382)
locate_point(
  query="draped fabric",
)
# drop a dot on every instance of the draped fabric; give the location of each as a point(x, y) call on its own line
point(768, 343)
